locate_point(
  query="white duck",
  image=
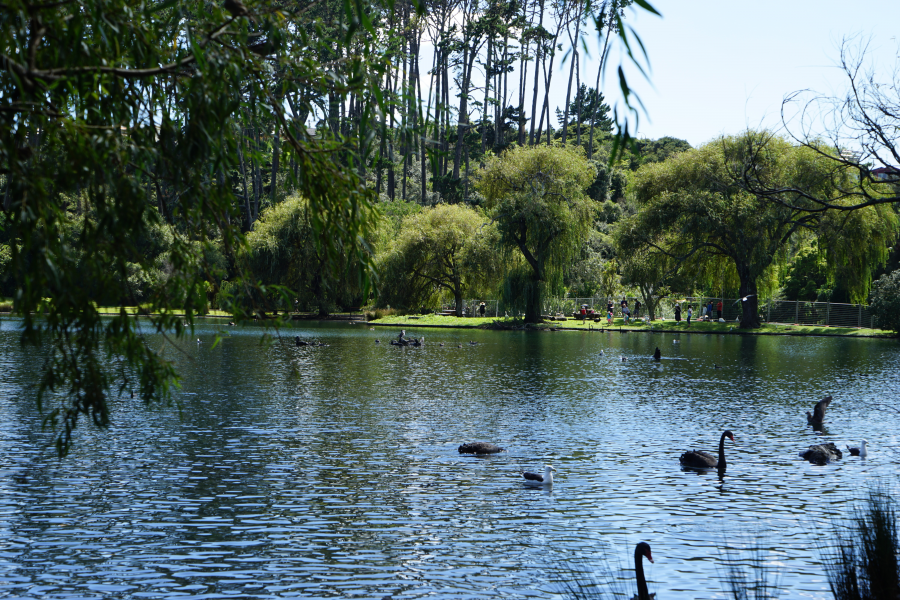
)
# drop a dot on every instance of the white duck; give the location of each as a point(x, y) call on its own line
point(861, 451)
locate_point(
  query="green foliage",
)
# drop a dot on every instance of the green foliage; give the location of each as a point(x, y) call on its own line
point(285, 249)
point(806, 276)
point(134, 113)
point(537, 198)
point(696, 208)
point(593, 109)
point(654, 151)
point(884, 301)
point(5, 261)
point(855, 245)
point(609, 185)
point(592, 271)
point(447, 248)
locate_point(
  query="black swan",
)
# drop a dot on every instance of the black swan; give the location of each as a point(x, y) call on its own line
point(817, 417)
point(640, 551)
point(822, 454)
point(704, 460)
point(535, 479)
point(860, 452)
point(657, 355)
point(480, 448)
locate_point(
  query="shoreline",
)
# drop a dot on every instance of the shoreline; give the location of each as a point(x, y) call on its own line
point(489, 324)
point(550, 327)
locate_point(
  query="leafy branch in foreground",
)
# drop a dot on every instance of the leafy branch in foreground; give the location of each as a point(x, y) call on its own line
point(120, 118)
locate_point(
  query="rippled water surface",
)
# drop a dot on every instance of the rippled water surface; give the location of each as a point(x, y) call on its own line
point(332, 471)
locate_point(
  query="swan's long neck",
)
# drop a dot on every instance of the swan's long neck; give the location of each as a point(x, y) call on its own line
point(643, 593)
point(722, 452)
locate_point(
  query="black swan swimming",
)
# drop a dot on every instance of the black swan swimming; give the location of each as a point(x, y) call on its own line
point(535, 479)
point(480, 448)
point(640, 551)
point(704, 460)
point(657, 355)
point(817, 417)
point(822, 454)
point(860, 452)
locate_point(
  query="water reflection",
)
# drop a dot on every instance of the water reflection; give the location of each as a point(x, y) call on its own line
point(333, 471)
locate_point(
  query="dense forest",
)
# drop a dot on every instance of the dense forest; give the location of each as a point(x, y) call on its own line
point(181, 155)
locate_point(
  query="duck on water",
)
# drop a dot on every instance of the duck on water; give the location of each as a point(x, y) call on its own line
point(860, 452)
point(480, 448)
point(533, 479)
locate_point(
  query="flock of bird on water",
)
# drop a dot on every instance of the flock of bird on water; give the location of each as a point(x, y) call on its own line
point(819, 454)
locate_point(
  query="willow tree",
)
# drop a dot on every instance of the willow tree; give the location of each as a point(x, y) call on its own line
point(133, 109)
point(447, 248)
point(697, 206)
point(538, 199)
point(286, 252)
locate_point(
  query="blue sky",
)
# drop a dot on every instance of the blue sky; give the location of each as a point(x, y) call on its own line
point(721, 67)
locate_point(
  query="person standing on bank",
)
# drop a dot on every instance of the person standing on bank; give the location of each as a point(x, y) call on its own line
point(678, 312)
point(690, 312)
point(719, 310)
point(637, 309)
point(481, 309)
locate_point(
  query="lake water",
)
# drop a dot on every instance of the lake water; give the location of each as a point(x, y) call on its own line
point(332, 471)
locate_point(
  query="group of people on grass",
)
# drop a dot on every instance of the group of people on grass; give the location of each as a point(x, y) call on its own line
point(626, 312)
point(705, 313)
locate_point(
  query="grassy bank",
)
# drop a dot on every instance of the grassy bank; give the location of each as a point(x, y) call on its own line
point(668, 326)
point(7, 305)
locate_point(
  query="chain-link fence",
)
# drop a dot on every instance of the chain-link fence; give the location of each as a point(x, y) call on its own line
point(830, 314)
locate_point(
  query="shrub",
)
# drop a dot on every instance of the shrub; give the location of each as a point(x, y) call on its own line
point(379, 313)
point(884, 301)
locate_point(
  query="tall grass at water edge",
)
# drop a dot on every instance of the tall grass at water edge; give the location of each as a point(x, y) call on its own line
point(860, 556)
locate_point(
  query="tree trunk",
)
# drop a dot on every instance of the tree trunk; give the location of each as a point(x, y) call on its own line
point(469, 54)
point(749, 298)
point(248, 213)
point(574, 59)
point(502, 84)
point(276, 154)
point(487, 95)
point(533, 301)
point(590, 152)
point(404, 112)
point(578, 89)
point(523, 78)
point(539, 45)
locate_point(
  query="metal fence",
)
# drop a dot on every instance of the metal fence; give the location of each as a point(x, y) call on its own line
point(831, 314)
